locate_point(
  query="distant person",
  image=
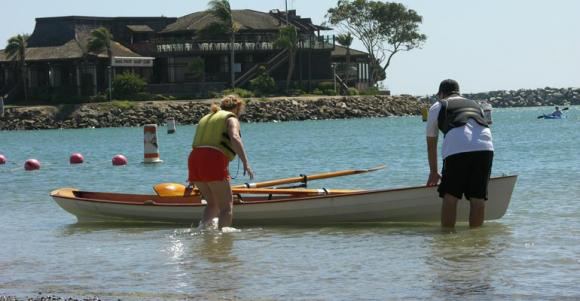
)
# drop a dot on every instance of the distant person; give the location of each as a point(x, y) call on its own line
point(557, 113)
point(217, 141)
point(1, 106)
point(467, 153)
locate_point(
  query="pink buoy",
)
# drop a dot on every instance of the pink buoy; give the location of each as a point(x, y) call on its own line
point(76, 158)
point(119, 160)
point(31, 164)
point(2, 159)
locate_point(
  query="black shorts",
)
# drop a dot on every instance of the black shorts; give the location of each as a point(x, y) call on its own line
point(466, 173)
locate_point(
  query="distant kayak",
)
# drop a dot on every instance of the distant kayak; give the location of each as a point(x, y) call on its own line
point(550, 116)
point(555, 115)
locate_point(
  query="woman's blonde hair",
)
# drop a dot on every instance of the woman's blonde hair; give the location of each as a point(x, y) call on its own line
point(229, 102)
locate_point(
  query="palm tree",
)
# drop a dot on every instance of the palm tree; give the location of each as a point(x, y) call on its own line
point(101, 39)
point(345, 40)
point(16, 49)
point(221, 10)
point(288, 39)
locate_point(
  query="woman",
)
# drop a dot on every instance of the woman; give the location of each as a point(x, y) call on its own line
point(217, 141)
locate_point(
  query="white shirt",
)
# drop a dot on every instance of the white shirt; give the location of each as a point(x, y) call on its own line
point(471, 137)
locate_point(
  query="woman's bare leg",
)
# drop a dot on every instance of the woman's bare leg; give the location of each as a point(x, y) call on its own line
point(222, 193)
point(211, 210)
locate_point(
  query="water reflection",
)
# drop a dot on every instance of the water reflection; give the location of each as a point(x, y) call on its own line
point(205, 262)
point(465, 262)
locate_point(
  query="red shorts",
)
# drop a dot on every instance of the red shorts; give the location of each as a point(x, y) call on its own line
point(207, 164)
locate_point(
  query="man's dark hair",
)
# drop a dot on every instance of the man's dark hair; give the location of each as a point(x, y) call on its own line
point(448, 87)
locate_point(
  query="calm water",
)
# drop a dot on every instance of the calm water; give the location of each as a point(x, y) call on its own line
point(532, 253)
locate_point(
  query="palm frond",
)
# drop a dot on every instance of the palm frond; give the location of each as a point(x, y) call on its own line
point(221, 9)
point(16, 47)
point(100, 39)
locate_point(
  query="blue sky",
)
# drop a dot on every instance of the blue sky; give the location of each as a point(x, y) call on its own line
point(485, 45)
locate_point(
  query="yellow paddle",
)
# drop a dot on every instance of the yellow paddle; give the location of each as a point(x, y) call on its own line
point(176, 189)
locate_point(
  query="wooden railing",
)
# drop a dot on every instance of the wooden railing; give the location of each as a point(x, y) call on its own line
point(172, 47)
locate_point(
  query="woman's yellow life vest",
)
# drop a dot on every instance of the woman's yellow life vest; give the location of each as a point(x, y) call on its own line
point(212, 131)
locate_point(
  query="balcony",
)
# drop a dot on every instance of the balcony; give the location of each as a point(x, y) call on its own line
point(180, 47)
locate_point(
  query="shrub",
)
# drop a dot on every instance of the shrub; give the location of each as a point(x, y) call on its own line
point(369, 91)
point(122, 104)
point(98, 98)
point(329, 92)
point(352, 91)
point(128, 85)
point(317, 92)
point(326, 86)
point(263, 83)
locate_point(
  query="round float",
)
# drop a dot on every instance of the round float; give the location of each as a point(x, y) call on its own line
point(31, 164)
point(76, 158)
point(119, 160)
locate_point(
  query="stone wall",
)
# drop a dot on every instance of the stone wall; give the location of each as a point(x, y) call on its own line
point(189, 112)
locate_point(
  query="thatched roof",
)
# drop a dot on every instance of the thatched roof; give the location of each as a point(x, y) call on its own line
point(341, 51)
point(64, 41)
point(247, 19)
point(69, 51)
point(140, 28)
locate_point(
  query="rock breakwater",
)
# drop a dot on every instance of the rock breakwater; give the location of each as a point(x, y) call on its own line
point(527, 97)
point(130, 114)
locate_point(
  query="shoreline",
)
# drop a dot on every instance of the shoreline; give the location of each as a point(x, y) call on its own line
point(188, 112)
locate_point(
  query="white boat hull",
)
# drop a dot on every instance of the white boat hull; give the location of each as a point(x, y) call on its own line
point(412, 204)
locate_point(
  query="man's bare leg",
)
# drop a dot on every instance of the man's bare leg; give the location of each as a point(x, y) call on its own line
point(449, 211)
point(476, 212)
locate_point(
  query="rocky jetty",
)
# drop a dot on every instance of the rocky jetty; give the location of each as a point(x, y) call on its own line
point(527, 98)
point(130, 114)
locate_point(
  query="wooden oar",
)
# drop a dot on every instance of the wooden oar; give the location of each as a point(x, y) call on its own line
point(176, 189)
point(297, 191)
point(306, 178)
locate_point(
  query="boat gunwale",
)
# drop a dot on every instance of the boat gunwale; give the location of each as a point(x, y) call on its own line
point(58, 193)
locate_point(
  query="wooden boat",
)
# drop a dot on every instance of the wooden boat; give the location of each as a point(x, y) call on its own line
point(282, 207)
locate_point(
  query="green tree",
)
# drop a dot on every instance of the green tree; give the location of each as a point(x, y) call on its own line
point(16, 50)
point(384, 28)
point(345, 40)
point(101, 39)
point(222, 11)
point(288, 39)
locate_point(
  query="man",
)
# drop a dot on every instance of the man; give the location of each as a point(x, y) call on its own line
point(467, 153)
point(1, 106)
point(557, 113)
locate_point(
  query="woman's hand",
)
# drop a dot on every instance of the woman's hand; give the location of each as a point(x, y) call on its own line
point(249, 171)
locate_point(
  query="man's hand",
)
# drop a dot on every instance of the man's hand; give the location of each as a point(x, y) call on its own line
point(434, 178)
